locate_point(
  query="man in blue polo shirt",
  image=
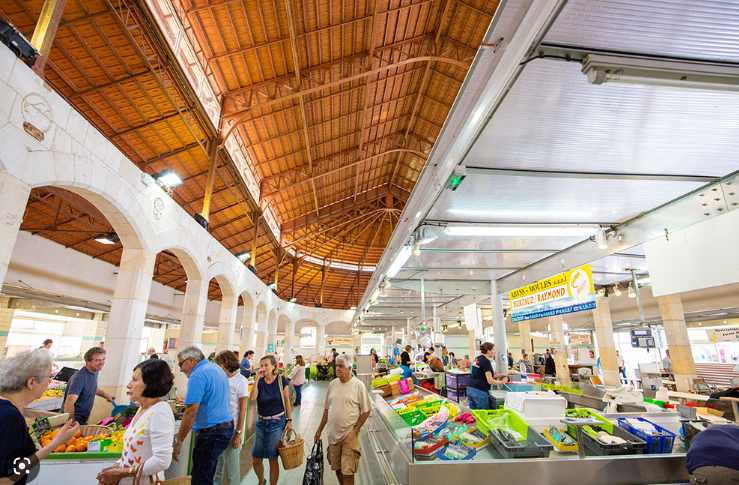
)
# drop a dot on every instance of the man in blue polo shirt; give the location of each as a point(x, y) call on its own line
point(713, 457)
point(208, 413)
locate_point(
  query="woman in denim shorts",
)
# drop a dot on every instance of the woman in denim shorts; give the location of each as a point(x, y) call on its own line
point(274, 417)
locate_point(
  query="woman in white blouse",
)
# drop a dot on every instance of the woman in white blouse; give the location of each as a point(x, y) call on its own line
point(147, 443)
point(297, 378)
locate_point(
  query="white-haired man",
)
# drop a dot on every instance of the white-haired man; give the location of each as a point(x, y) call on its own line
point(208, 413)
point(346, 409)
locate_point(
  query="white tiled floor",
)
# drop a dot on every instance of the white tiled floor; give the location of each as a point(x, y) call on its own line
point(306, 419)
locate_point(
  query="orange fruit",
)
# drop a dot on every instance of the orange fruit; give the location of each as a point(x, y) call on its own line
point(71, 441)
point(78, 434)
point(45, 443)
point(61, 449)
point(70, 449)
point(53, 434)
point(82, 446)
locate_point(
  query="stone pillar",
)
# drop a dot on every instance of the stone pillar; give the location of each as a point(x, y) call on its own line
point(473, 348)
point(126, 325)
point(560, 358)
point(227, 323)
point(524, 330)
point(6, 319)
point(606, 345)
point(676, 332)
point(260, 349)
point(191, 329)
point(13, 200)
point(501, 345)
point(321, 342)
point(287, 356)
point(94, 333)
point(247, 331)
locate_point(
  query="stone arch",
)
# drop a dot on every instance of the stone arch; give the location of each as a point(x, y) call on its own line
point(98, 184)
point(338, 327)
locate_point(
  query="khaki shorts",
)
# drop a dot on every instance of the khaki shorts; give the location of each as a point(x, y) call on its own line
point(344, 456)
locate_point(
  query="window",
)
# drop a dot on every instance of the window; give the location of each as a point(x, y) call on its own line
point(308, 337)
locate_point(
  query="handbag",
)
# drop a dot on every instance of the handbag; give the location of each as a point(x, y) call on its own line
point(138, 479)
point(314, 467)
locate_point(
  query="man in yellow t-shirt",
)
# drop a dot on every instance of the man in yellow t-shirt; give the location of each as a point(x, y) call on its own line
point(346, 409)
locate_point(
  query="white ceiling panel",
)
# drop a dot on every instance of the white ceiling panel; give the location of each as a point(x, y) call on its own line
point(515, 199)
point(706, 29)
point(554, 120)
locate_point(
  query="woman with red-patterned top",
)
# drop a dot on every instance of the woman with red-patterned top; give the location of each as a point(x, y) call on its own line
point(147, 443)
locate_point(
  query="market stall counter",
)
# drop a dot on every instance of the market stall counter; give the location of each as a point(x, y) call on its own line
point(424, 438)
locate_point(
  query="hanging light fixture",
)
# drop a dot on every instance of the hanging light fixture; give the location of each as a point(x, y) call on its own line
point(167, 178)
point(632, 293)
point(243, 255)
point(292, 299)
point(109, 238)
point(600, 239)
point(617, 290)
point(272, 286)
point(416, 250)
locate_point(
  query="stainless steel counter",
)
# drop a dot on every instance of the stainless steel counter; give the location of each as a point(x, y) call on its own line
point(391, 435)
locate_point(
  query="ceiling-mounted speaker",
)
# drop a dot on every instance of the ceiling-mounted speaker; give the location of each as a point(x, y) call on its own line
point(15, 41)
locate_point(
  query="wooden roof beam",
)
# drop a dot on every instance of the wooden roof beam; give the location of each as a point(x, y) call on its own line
point(345, 205)
point(344, 167)
point(100, 87)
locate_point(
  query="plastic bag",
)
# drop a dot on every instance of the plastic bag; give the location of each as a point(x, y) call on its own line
point(314, 466)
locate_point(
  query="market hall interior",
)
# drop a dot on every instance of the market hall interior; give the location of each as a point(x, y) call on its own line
point(292, 177)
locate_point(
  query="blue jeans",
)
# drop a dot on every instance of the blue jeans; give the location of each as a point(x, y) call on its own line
point(209, 444)
point(267, 436)
point(477, 399)
point(298, 395)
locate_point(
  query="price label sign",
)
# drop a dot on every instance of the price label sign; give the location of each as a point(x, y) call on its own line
point(40, 427)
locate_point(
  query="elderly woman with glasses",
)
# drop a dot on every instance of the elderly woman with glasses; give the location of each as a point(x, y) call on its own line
point(23, 379)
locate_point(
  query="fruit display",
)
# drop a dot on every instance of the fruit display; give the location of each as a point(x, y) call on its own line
point(52, 392)
point(79, 443)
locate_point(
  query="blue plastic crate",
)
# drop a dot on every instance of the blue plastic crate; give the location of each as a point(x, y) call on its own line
point(655, 444)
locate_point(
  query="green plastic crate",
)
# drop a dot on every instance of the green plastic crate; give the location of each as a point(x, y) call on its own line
point(379, 383)
point(412, 416)
point(488, 419)
point(607, 425)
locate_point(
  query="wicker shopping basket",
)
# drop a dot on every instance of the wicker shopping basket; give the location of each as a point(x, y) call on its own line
point(94, 430)
point(291, 451)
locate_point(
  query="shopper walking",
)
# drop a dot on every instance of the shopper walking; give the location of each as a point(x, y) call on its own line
point(47, 344)
point(482, 378)
point(275, 417)
point(79, 396)
point(527, 364)
point(405, 362)
point(713, 457)
point(239, 397)
point(23, 379)
point(334, 355)
point(346, 409)
point(246, 364)
point(208, 413)
point(373, 356)
point(667, 364)
point(621, 364)
point(550, 369)
point(297, 379)
point(147, 443)
point(152, 353)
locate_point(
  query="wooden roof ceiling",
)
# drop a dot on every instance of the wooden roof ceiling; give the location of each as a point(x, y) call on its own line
point(338, 103)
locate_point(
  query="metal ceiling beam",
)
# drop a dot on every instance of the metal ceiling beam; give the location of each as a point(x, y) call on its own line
point(659, 222)
point(446, 287)
point(145, 124)
point(343, 205)
point(173, 153)
point(591, 175)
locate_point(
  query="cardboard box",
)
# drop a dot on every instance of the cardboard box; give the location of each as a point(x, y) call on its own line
point(411, 387)
point(395, 387)
point(386, 390)
point(703, 410)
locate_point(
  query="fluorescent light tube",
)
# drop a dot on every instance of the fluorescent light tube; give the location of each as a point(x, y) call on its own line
point(400, 259)
point(486, 213)
point(602, 69)
point(519, 231)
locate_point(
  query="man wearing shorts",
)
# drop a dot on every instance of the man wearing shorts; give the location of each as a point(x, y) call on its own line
point(346, 409)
